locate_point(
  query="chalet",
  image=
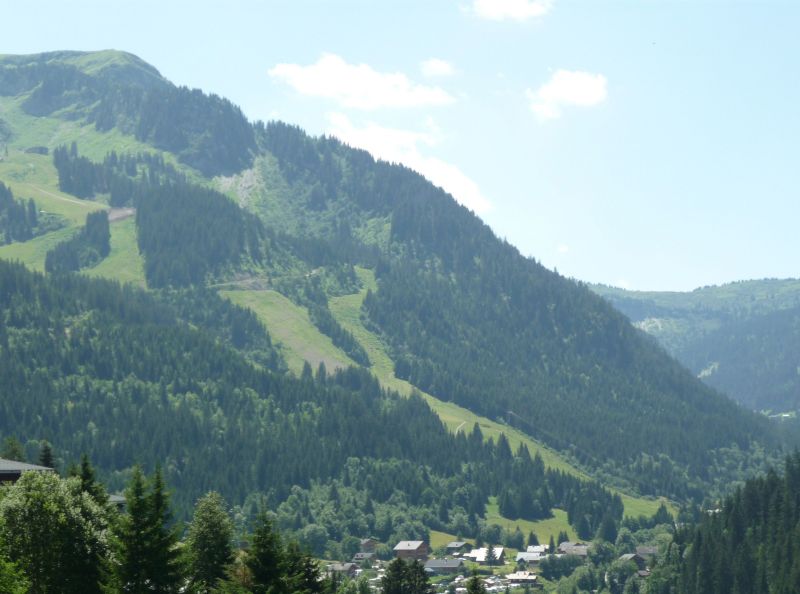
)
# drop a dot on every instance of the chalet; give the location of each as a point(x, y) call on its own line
point(11, 470)
point(444, 566)
point(521, 578)
point(578, 549)
point(411, 549)
point(641, 564)
point(458, 547)
point(479, 555)
point(361, 557)
point(541, 549)
point(526, 558)
point(348, 569)
point(369, 545)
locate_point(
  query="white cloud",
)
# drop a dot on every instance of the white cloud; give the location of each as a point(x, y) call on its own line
point(404, 146)
point(567, 87)
point(436, 67)
point(516, 10)
point(357, 85)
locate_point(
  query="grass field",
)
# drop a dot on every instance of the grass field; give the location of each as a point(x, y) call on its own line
point(290, 326)
point(124, 263)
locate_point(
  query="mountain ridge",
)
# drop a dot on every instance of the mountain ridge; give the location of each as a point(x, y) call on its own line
point(463, 314)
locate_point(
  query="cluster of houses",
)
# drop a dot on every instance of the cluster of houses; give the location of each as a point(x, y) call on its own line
point(459, 553)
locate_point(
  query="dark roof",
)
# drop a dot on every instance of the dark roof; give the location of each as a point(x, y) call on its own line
point(444, 563)
point(343, 567)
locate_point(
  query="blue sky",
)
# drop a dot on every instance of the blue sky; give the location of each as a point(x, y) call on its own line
point(647, 144)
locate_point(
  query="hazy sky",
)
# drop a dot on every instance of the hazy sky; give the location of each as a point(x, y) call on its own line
point(647, 144)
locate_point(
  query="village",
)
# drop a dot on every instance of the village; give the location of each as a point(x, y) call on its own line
point(450, 567)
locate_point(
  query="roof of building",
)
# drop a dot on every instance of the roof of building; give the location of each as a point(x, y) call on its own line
point(456, 544)
point(343, 567)
point(522, 576)
point(479, 555)
point(444, 563)
point(14, 467)
point(541, 549)
point(409, 545)
point(528, 557)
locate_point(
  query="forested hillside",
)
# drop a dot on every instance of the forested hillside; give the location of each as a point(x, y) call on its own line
point(464, 316)
point(750, 545)
point(742, 338)
point(126, 377)
point(471, 320)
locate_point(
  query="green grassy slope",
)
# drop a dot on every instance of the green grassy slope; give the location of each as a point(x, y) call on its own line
point(290, 326)
point(124, 263)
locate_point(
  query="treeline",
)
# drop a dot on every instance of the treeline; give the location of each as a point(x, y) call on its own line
point(185, 232)
point(750, 545)
point(85, 249)
point(19, 219)
point(63, 535)
point(198, 405)
point(125, 178)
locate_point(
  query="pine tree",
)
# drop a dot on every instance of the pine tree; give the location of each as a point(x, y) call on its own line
point(475, 585)
point(46, 455)
point(146, 554)
point(164, 561)
point(266, 558)
point(209, 543)
point(394, 580)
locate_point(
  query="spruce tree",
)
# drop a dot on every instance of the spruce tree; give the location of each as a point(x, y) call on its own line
point(209, 544)
point(46, 455)
point(394, 579)
point(146, 553)
point(164, 562)
point(265, 558)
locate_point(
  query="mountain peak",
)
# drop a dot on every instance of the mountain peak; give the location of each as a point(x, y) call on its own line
point(108, 65)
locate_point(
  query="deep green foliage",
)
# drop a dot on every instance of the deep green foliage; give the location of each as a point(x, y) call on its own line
point(18, 220)
point(146, 555)
point(750, 545)
point(124, 178)
point(85, 249)
point(186, 233)
point(471, 320)
point(182, 388)
point(403, 577)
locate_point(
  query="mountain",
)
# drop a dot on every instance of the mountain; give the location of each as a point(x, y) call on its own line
point(742, 338)
point(351, 261)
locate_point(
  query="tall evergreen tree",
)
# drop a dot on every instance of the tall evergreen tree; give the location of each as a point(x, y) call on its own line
point(163, 559)
point(146, 553)
point(209, 543)
point(266, 557)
